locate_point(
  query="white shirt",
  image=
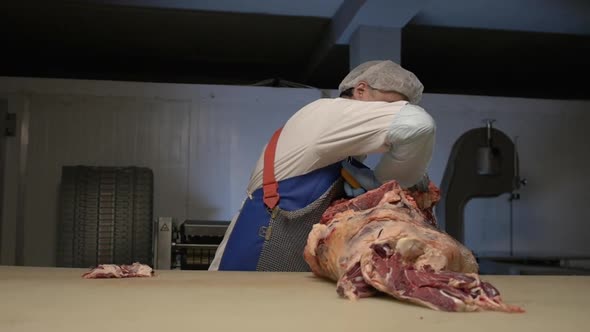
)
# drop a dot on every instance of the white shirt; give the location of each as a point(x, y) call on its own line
point(327, 131)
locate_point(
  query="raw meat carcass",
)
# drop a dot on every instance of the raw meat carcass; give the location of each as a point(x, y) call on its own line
point(425, 201)
point(386, 241)
point(134, 270)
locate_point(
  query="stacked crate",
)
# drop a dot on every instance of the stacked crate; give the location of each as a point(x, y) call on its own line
point(105, 216)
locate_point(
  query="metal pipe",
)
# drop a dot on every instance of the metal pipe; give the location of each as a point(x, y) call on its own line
point(516, 185)
point(489, 130)
point(511, 202)
point(23, 135)
point(516, 166)
point(195, 245)
point(3, 114)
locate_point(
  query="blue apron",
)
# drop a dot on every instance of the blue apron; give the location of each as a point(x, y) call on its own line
point(273, 240)
point(271, 230)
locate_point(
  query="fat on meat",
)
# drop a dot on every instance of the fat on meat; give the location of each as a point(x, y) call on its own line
point(387, 241)
point(104, 271)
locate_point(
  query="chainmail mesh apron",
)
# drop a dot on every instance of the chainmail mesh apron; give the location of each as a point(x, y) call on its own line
point(286, 235)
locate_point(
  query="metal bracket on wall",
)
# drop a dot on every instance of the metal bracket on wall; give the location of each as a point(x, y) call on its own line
point(163, 243)
point(10, 125)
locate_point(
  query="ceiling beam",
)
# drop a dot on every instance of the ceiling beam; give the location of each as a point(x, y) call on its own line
point(311, 8)
point(338, 24)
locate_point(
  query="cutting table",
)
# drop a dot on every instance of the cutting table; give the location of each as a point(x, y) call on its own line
point(58, 299)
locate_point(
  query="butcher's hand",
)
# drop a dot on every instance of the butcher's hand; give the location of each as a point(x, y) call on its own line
point(353, 192)
point(422, 185)
point(363, 175)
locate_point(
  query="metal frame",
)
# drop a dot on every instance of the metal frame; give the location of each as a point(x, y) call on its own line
point(168, 242)
point(3, 134)
point(23, 139)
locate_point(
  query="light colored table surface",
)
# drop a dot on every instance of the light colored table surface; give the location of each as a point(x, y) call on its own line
point(53, 299)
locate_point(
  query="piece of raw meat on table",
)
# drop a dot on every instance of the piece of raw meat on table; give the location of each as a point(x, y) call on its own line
point(103, 271)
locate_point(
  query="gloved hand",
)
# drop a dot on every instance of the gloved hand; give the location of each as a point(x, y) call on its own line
point(422, 185)
point(363, 175)
point(352, 192)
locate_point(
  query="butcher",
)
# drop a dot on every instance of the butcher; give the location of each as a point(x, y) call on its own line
point(317, 157)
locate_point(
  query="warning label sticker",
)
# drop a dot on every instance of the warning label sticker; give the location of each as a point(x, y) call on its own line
point(164, 228)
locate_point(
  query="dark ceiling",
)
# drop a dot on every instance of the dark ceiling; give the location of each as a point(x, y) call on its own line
point(69, 40)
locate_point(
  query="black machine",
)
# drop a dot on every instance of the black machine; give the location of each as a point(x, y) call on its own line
point(483, 163)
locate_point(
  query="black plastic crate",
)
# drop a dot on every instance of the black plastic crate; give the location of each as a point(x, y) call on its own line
point(105, 216)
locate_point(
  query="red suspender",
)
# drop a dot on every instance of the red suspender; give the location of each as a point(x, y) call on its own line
point(270, 186)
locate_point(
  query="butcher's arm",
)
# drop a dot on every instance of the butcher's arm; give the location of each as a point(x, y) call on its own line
point(404, 135)
point(410, 140)
point(358, 129)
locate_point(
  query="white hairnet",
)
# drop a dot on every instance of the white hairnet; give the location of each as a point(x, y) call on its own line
point(385, 75)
